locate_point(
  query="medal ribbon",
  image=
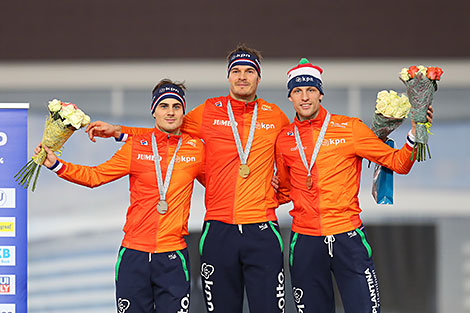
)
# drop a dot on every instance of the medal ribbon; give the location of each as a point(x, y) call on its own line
point(243, 154)
point(317, 144)
point(163, 187)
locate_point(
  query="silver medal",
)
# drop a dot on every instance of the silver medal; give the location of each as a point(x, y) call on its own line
point(162, 206)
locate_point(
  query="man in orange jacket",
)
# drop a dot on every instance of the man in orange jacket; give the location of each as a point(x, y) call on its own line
point(152, 270)
point(240, 245)
point(323, 154)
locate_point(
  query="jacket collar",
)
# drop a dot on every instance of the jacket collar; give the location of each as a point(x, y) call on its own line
point(162, 136)
point(237, 104)
point(316, 122)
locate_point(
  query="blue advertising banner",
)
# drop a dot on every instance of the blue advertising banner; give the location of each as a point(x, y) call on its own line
point(13, 208)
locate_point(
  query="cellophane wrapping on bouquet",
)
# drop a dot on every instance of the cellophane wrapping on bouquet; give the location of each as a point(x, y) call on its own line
point(64, 118)
point(421, 84)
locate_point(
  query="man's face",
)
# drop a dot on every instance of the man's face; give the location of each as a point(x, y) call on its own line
point(243, 81)
point(306, 101)
point(169, 116)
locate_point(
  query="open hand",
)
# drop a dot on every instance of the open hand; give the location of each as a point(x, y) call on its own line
point(103, 130)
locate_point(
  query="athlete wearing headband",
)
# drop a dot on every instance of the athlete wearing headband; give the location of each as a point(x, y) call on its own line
point(152, 268)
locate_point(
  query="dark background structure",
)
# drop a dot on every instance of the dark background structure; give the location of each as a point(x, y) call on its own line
point(146, 30)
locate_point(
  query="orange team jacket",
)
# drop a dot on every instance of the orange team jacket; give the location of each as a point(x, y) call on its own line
point(230, 198)
point(331, 206)
point(146, 229)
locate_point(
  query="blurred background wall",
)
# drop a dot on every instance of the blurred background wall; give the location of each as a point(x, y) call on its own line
point(106, 56)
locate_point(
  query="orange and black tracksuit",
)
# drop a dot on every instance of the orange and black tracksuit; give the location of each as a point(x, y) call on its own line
point(153, 257)
point(240, 244)
point(327, 215)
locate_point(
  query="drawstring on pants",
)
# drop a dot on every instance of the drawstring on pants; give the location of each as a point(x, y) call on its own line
point(150, 257)
point(329, 241)
point(240, 229)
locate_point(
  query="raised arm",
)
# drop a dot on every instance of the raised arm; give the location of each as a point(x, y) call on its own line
point(90, 176)
point(106, 130)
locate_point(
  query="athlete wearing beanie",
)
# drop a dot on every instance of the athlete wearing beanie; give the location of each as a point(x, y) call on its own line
point(323, 153)
point(152, 268)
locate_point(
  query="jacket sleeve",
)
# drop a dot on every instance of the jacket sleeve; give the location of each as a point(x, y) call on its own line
point(201, 177)
point(283, 191)
point(94, 176)
point(134, 130)
point(369, 146)
point(193, 121)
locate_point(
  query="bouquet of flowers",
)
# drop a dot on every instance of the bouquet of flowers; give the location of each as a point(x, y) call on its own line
point(421, 83)
point(64, 118)
point(390, 111)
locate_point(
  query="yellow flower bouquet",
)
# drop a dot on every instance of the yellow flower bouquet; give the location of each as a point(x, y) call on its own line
point(64, 118)
point(390, 111)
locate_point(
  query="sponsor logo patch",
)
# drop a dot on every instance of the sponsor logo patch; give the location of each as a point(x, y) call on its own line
point(333, 141)
point(371, 278)
point(185, 159)
point(223, 123)
point(352, 233)
point(192, 142)
point(3, 139)
point(298, 294)
point(266, 107)
point(206, 271)
point(7, 198)
point(280, 294)
point(7, 226)
point(261, 125)
point(123, 305)
point(7, 256)
point(7, 285)
point(8, 308)
point(184, 305)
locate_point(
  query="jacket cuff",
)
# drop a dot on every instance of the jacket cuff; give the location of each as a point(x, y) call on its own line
point(122, 138)
point(58, 167)
point(410, 139)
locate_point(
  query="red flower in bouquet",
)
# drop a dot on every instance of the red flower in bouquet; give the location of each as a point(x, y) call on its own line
point(421, 84)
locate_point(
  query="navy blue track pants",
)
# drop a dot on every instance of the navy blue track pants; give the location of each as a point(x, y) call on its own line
point(235, 257)
point(152, 282)
point(348, 257)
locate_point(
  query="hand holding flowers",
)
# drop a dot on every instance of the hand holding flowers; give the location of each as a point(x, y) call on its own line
point(421, 83)
point(64, 118)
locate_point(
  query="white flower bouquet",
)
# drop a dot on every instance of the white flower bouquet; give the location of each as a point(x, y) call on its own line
point(64, 118)
point(421, 84)
point(390, 111)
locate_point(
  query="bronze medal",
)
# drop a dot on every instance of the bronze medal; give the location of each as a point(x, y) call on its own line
point(162, 206)
point(244, 170)
point(309, 182)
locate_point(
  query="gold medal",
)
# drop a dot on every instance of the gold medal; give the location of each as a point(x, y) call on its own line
point(162, 206)
point(244, 170)
point(309, 182)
